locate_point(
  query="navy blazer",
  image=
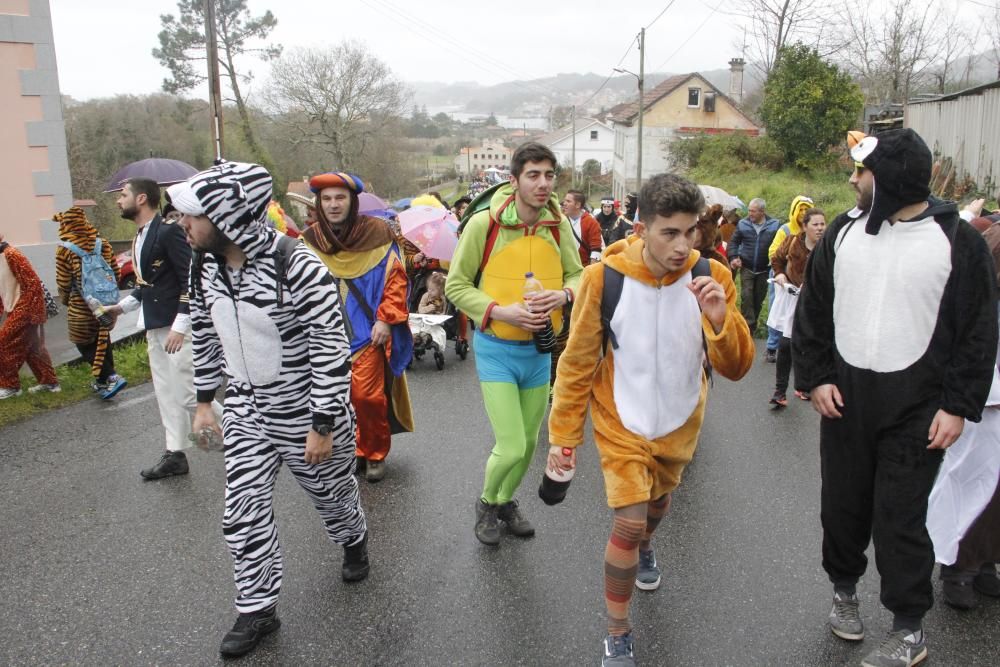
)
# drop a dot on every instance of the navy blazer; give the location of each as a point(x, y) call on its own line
point(162, 279)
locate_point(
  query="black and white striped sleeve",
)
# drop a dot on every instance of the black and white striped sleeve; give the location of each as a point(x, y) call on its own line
point(316, 302)
point(205, 344)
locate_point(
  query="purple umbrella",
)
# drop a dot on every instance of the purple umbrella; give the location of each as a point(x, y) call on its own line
point(162, 170)
point(367, 203)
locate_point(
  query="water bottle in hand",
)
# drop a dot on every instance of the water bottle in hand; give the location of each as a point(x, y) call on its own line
point(555, 483)
point(545, 340)
point(100, 312)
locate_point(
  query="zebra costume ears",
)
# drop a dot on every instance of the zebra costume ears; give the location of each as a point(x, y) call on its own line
point(226, 193)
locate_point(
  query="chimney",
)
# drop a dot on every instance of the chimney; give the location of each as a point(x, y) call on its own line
point(736, 79)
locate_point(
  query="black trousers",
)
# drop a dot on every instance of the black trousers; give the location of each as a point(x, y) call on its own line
point(88, 350)
point(877, 474)
point(753, 291)
point(783, 366)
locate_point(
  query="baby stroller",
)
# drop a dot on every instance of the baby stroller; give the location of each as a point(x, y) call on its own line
point(450, 323)
point(429, 334)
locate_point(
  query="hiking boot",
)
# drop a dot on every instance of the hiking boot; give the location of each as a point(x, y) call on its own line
point(959, 594)
point(845, 617)
point(901, 648)
point(171, 463)
point(487, 523)
point(8, 393)
point(248, 631)
point(355, 566)
point(771, 356)
point(647, 577)
point(778, 400)
point(619, 651)
point(50, 388)
point(516, 523)
point(115, 384)
point(987, 582)
point(375, 471)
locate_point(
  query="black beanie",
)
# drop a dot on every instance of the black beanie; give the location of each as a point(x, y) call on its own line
point(901, 165)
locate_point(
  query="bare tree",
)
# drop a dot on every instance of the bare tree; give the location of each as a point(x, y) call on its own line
point(338, 99)
point(991, 21)
point(182, 51)
point(945, 72)
point(892, 51)
point(777, 23)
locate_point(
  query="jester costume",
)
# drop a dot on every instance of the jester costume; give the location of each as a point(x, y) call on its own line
point(488, 270)
point(363, 255)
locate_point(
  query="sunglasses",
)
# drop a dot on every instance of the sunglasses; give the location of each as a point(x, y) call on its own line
point(859, 168)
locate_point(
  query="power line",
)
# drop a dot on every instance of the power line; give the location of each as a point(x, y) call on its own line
point(664, 11)
point(611, 76)
point(690, 36)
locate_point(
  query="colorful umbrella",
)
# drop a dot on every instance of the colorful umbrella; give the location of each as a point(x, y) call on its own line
point(434, 230)
point(367, 202)
point(162, 170)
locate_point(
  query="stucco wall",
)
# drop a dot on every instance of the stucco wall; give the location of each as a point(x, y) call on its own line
point(34, 174)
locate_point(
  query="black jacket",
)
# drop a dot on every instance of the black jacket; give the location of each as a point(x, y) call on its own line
point(164, 268)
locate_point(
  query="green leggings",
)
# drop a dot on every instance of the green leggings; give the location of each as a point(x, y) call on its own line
point(516, 416)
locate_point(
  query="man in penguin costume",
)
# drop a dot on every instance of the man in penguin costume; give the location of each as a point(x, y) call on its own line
point(895, 336)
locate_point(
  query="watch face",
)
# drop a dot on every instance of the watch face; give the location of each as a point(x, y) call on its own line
point(325, 429)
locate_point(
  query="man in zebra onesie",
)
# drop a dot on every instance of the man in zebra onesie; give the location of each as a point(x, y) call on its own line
point(265, 315)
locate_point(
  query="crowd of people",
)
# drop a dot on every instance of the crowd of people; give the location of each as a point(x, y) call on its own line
point(888, 316)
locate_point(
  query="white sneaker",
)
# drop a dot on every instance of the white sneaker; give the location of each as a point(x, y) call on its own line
point(51, 388)
point(9, 393)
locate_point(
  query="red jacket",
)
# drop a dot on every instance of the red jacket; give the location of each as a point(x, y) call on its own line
point(590, 239)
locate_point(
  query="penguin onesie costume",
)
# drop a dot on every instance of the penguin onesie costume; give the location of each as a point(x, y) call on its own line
point(901, 318)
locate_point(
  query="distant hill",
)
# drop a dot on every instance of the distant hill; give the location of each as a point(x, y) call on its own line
point(537, 95)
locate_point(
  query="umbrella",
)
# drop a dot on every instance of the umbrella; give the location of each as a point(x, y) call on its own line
point(714, 195)
point(160, 169)
point(367, 203)
point(402, 203)
point(434, 230)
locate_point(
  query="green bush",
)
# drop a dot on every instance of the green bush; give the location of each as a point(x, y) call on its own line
point(727, 153)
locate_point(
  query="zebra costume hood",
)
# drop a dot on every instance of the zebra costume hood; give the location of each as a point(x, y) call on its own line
point(234, 196)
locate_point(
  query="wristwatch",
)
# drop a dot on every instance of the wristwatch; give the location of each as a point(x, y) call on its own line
point(323, 429)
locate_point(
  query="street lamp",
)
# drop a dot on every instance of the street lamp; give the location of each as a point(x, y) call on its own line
point(639, 77)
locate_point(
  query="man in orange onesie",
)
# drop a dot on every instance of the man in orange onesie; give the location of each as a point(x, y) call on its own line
point(363, 255)
point(639, 362)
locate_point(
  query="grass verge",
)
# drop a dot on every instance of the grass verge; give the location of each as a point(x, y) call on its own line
point(131, 362)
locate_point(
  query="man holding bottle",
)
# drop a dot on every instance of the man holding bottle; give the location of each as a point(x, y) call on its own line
point(522, 232)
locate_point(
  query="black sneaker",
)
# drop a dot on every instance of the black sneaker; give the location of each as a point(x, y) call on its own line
point(986, 581)
point(248, 631)
point(958, 593)
point(516, 523)
point(355, 566)
point(171, 463)
point(771, 356)
point(487, 523)
point(778, 400)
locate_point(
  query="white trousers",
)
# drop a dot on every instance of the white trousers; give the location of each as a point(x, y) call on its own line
point(173, 382)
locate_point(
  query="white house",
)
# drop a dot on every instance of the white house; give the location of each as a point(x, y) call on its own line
point(594, 141)
point(473, 159)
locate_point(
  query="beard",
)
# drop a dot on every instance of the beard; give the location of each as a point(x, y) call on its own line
point(865, 199)
point(130, 213)
point(216, 245)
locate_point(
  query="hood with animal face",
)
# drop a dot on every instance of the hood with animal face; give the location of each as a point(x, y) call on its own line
point(901, 165)
point(234, 196)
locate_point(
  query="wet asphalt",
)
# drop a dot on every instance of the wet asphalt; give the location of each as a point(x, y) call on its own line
point(101, 568)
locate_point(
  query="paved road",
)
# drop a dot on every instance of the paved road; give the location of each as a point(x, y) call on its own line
point(101, 568)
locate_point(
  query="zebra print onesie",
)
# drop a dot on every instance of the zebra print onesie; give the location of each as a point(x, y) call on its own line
point(287, 364)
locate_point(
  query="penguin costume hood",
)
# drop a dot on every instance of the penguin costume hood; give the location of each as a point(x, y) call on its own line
point(901, 165)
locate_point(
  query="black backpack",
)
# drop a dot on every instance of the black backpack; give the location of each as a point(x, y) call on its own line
point(612, 293)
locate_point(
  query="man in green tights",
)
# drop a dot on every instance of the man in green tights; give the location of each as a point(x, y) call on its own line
point(523, 231)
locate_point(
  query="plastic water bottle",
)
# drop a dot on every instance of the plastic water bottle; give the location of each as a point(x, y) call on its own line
point(555, 483)
point(545, 340)
point(207, 440)
point(100, 312)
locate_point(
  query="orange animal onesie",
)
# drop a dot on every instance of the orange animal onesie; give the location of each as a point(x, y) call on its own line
point(647, 397)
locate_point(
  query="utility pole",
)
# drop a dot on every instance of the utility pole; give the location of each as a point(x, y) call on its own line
point(214, 91)
point(642, 72)
point(574, 147)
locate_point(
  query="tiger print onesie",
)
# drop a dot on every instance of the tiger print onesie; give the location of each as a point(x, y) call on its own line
point(285, 355)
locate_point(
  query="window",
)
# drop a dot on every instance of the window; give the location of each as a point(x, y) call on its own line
point(475, 155)
point(694, 97)
point(709, 102)
point(593, 135)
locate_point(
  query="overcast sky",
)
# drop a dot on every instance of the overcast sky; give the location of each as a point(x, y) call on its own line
point(104, 46)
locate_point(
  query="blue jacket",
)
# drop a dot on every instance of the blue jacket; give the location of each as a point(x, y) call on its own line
point(750, 243)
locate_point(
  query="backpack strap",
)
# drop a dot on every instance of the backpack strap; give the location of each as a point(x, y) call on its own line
point(491, 240)
point(73, 248)
point(97, 246)
point(286, 246)
point(610, 295)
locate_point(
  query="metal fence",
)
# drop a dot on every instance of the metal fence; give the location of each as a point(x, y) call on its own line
point(966, 128)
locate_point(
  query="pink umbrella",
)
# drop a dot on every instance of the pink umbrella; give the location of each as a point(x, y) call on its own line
point(369, 202)
point(433, 230)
